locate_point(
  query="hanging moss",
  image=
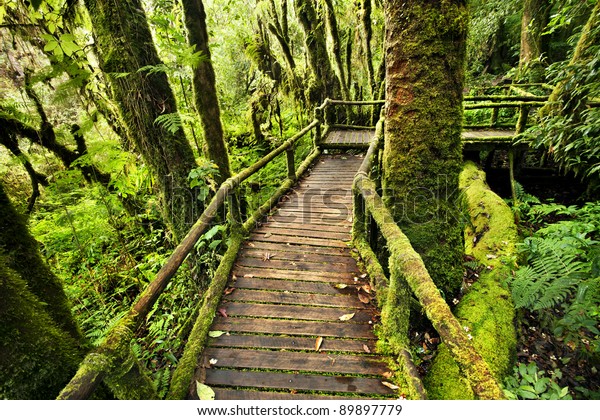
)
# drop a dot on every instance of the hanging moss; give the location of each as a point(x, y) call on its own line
point(425, 51)
point(487, 310)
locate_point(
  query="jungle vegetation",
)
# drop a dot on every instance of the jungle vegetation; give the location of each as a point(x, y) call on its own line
point(118, 124)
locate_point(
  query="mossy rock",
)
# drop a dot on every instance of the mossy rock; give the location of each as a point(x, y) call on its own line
point(486, 310)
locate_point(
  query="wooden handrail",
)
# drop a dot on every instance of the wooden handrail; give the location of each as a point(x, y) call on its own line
point(90, 373)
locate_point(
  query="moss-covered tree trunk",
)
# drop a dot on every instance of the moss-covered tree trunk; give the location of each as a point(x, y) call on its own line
point(39, 340)
point(126, 53)
point(364, 13)
point(323, 80)
point(336, 49)
point(566, 99)
point(424, 53)
point(205, 91)
point(534, 21)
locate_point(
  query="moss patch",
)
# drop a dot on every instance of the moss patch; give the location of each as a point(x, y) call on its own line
point(487, 310)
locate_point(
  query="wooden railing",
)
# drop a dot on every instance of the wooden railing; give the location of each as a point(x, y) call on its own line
point(407, 276)
point(113, 361)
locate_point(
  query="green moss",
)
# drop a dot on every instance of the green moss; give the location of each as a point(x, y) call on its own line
point(37, 357)
point(486, 311)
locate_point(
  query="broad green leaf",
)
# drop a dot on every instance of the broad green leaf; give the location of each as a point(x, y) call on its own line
point(215, 334)
point(204, 392)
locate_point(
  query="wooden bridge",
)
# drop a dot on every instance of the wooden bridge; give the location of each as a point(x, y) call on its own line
point(289, 313)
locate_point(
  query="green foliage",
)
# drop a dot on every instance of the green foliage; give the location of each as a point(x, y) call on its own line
point(560, 280)
point(529, 383)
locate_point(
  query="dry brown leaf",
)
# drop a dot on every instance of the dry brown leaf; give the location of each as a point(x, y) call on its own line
point(268, 235)
point(387, 375)
point(229, 290)
point(251, 244)
point(249, 275)
point(390, 386)
point(267, 256)
point(346, 317)
point(363, 298)
point(318, 343)
point(223, 312)
point(366, 288)
point(366, 348)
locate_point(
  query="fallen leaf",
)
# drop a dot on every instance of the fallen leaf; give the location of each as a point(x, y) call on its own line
point(346, 317)
point(204, 392)
point(213, 361)
point(387, 375)
point(249, 275)
point(355, 278)
point(293, 392)
point(390, 386)
point(233, 277)
point(229, 291)
point(251, 244)
point(362, 276)
point(340, 286)
point(267, 256)
point(268, 235)
point(363, 298)
point(293, 263)
point(318, 343)
point(215, 334)
point(223, 312)
point(491, 256)
point(366, 288)
point(366, 348)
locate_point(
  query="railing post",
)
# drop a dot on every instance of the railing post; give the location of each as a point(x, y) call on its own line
point(523, 116)
point(291, 165)
point(318, 130)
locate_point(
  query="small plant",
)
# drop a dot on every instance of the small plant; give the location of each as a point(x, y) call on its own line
point(529, 383)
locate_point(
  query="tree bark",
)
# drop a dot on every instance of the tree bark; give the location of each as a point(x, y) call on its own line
point(322, 84)
point(534, 21)
point(425, 53)
point(126, 52)
point(38, 337)
point(336, 49)
point(205, 91)
point(364, 12)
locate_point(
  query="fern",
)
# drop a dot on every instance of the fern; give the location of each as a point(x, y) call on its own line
point(170, 122)
point(551, 277)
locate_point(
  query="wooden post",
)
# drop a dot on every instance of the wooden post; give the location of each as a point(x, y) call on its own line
point(318, 131)
point(511, 172)
point(523, 116)
point(291, 165)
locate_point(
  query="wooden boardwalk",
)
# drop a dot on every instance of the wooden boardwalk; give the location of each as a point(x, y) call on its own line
point(472, 139)
point(296, 321)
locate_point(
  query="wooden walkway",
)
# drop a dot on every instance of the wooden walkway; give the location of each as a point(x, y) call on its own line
point(472, 139)
point(296, 321)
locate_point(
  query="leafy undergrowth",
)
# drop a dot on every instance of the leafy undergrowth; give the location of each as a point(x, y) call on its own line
point(557, 293)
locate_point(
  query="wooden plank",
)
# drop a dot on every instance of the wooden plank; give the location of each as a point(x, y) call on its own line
point(316, 202)
point(297, 361)
point(225, 394)
point(291, 343)
point(300, 240)
point(328, 211)
point(320, 250)
point(296, 312)
point(292, 298)
point(288, 327)
point(296, 265)
point(274, 380)
point(307, 233)
point(347, 278)
point(291, 286)
point(308, 226)
point(283, 255)
point(310, 220)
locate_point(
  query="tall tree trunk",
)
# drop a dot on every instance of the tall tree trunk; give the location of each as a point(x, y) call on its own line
point(534, 21)
point(364, 13)
point(561, 100)
point(38, 337)
point(322, 84)
point(425, 53)
point(205, 91)
point(336, 49)
point(127, 54)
